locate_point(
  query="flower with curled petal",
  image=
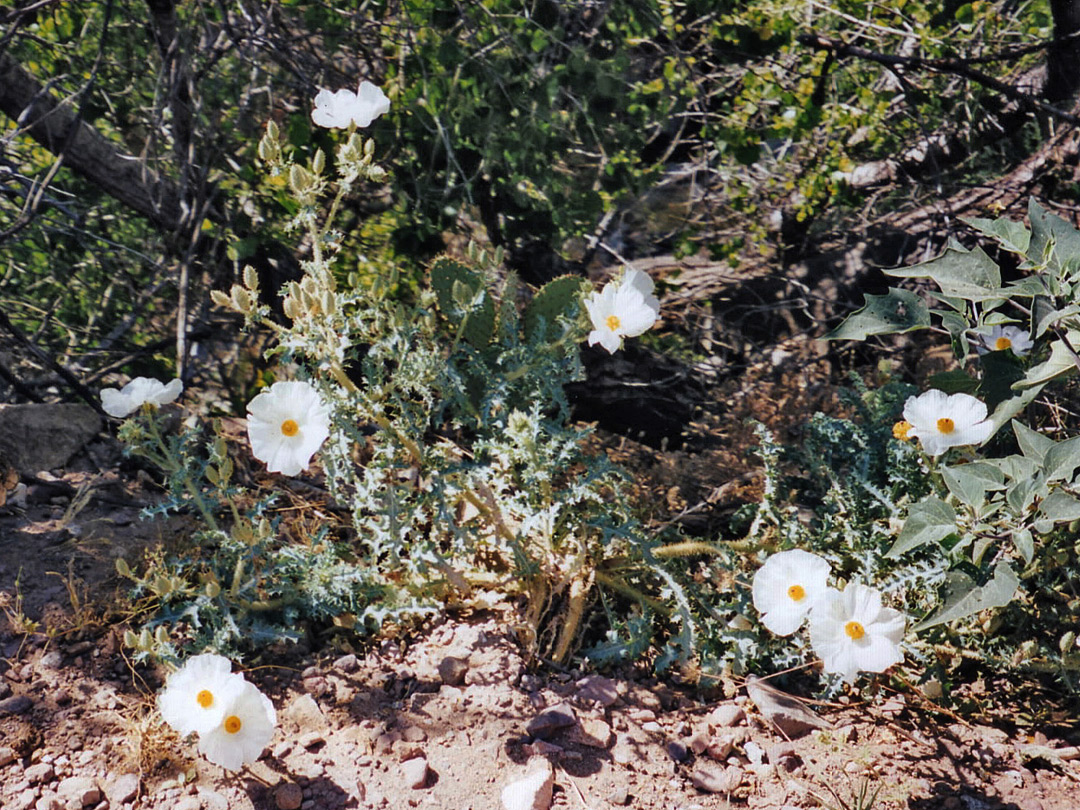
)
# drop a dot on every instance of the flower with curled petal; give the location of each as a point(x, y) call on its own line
point(197, 694)
point(140, 391)
point(341, 109)
point(287, 424)
point(786, 587)
point(1005, 337)
point(851, 631)
point(940, 421)
point(623, 309)
point(243, 732)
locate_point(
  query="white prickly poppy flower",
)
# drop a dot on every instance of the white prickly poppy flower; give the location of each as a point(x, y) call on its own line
point(624, 309)
point(940, 421)
point(339, 110)
point(1005, 337)
point(243, 732)
point(196, 695)
point(851, 631)
point(140, 391)
point(287, 424)
point(786, 587)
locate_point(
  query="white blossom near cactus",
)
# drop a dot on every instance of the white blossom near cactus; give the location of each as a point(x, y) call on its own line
point(197, 694)
point(287, 424)
point(140, 391)
point(852, 632)
point(243, 732)
point(1005, 337)
point(787, 586)
point(940, 421)
point(339, 110)
point(623, 309)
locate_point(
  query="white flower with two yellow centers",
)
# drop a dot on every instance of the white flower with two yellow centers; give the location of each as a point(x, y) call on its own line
point(624, 309)
point(851, 631)
point(244, 730)
point(287, 424)
point(197, 695)
point(140, 391)
point(339, 110)
point(1005, 337)
point(940, 421)
point(786, 587)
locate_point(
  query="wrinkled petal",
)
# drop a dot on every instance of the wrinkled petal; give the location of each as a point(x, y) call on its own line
point(246, 728)
point(295, 402)
point(207, 676)
point(787, 572)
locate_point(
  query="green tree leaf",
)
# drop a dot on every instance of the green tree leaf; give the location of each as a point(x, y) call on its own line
point(963, 598)
point(959, 273)
point(895, 312)
point(931, 520)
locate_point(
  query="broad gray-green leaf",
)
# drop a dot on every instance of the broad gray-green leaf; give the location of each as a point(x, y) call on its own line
point(1014, 467)
point(1022, 493)
point(1060, 362)
point(969, 489)
point(1053, 316)
point(1047, 228)
point(1061, 460)
point(896, 311)
point(1025, 544)
point(1033, 444)
point(964, 274)
point(1060, 507)
point(1008, 408)
point(964, 598)
point(1012, 236)
point(931, 520)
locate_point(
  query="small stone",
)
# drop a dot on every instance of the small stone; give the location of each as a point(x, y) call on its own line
point(312, 739)
point(533, 792)
point(23, 801)
point(452, 670)
point(304, 713)
point(727, 715)
point(288, 796)
point(347, 663)
point(49, 801)
point(790, 715)
point(716, 779)
point(415, 772)
point(18, 704)
point(542, 748)
point(81, 789)
point(414, 734)
point(122, 789)
point(754, 752)
point(592, 732)
point(211, 799)
point(677, 751)
point(698, 742)
point(619, 796)
point(597, 689)
point(188, 803)
point(39, 773)
point(1031, 804)
point(551, 720)
point(7, 756)
point(53, 659)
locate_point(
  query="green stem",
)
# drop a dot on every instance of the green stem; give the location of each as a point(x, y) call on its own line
point(173, 466)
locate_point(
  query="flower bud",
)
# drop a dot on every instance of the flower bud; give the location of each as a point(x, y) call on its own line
point(221, 299)
point(318, 163)
point(251, 278)
point(1068, 642)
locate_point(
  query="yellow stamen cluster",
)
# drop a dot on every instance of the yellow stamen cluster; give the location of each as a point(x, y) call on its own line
point(946, 425)
point(854, 630)
point(613, 322)
point(205, 698)
point(797, 593)
point(233, 724)
point(289, 427)
point(1002, 343)
point(902, 430)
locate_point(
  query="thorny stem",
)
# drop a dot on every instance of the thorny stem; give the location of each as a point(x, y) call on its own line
point(173, 466)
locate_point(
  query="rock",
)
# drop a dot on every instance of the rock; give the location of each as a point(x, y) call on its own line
point(414, 734)
point(122, 789)
point(187, 803)
point(347, 663)
point(791, 717)
point(415, 772)
point(311, 739)
point(598, 689)
point(7, 756)
point(49, 801)
point(727, 715)
point(716, 779)
point(304, 714)
point(211, 799)
point(754, 752)
point(698, 742)
point(80, 790)
point(619, 796)
point(452, 671)
point(677, 751)
point(23, 801)
point(17, 704)
point(534, 791)
point(53, 659)
point(551, 720)
point(288, 796)
point(43, 436)
point(39, 773)
point(592, 732)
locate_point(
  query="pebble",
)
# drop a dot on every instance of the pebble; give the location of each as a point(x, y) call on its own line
point(122, 789)
point(414, 772)
point(677, 751)
point(414, 734)
point(311, 739)
point(347, 663)
point(7, 756)
point(716, 779)
point(288, 796)
point(534, 791)
point(592, 732)
point(452, 671)
point(17, 704)
point(41, 772)
point(81, 789)
point(619, 796)
point(187, 803)
point(550, 720)
point(597, 689)
point(727, 715)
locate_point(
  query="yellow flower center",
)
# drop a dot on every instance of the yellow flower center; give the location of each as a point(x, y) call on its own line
point(946, 425)
point(232, 724)
point(797, 593)
point(1002, 343)
point(613, 322)
point(902, 429)
point(289, 427)
point(205, 698)
point(854, 630)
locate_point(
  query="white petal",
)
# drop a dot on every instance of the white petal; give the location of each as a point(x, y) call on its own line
point(115, 403)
